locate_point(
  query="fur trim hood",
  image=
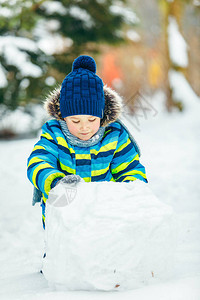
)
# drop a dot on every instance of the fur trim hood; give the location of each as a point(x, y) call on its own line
point(112, 110)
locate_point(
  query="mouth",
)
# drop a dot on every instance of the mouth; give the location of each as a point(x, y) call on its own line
point(84, 135)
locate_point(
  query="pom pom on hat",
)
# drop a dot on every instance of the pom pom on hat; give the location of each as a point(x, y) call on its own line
point(85, 62)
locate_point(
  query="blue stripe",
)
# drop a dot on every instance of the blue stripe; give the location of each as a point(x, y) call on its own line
point(32, 166)
point(55, 126)
point(43, 212)
point(47, 172)
point(46, 139)
point(103, 154)
point(83, 173)
point(137, 176)
point(66, 150)
point(40, 151)
point(38, 174)
point(124, 151)
point(83, 162)
point(49, 127)
point(128, 157)
point(131, 166)
point(109, 130)
point(53, 184)
point(46, 157)
point(101, 177)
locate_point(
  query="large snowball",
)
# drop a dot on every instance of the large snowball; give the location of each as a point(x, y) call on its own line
point(111, 236)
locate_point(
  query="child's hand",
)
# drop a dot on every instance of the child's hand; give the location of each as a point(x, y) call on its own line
point(65, 191)
point(70, 179)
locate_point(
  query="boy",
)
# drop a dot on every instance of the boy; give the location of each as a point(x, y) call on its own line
point(85, 137)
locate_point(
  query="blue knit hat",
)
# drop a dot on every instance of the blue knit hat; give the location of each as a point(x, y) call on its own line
point(82, 90)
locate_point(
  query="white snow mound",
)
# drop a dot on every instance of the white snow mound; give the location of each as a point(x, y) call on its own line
point(112, 236)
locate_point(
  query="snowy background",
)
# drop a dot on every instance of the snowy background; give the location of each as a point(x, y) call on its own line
point(170, 153)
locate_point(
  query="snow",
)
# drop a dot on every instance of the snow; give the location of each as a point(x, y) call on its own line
point(50, 80)
point(128, 14)
point(133, 36)
point(12, 47)
point(81, 14)
point(107, 236)
point(6, 12)
point(52, 7)
point(22, 63)
point(170, 153)
point(182, 91)
point(196, 2)
point(13, 8)
point(54, 44)
point(177, 45)
point(22, 121)
point(19, 42)
point(3, 79)
point(48, 41)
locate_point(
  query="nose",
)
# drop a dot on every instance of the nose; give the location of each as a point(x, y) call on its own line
point(84, 125)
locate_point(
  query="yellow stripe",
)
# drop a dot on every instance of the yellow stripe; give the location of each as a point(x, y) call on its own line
point(63, 142)
point(134, 172)
point(129, 178)
point(34, 160)
point(38, 147)
point(50, 178)
point(94, 151)
point(123, 166)
point(44, 198)
point(47, 136)
point(83, 156)
point(105, 148)
point(38, 168)
point(109, 146)
point(123, 145)
point(100, 172)
point(87, 179)
point(66, 168)
point(112, 179)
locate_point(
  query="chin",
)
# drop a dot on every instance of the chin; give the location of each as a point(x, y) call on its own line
point(85, 138)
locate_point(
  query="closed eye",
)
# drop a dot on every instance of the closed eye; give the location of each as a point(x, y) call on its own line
point(76, 122)
point(92, 120)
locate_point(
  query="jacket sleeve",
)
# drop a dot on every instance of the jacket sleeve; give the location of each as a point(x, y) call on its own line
point(42, 168)
point(125, 165)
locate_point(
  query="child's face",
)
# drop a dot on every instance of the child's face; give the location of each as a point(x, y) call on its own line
point(83, 126)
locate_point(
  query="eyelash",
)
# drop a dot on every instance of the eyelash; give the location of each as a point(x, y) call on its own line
point(76, 122)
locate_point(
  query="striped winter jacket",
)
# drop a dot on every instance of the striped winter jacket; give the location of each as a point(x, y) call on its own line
point(113, 158)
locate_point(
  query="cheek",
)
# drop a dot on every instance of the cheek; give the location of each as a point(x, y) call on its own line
point(73, 128)
point(96, 126)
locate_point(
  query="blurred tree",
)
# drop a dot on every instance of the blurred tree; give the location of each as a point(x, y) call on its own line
point(176, 50)
point(83, 25)
point(40, 38)
point(22, 63)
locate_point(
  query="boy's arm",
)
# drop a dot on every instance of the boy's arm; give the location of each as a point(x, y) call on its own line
point(125, 165)
point(43, 169)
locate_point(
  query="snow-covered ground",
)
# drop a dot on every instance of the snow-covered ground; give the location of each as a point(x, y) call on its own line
point(170, 152)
